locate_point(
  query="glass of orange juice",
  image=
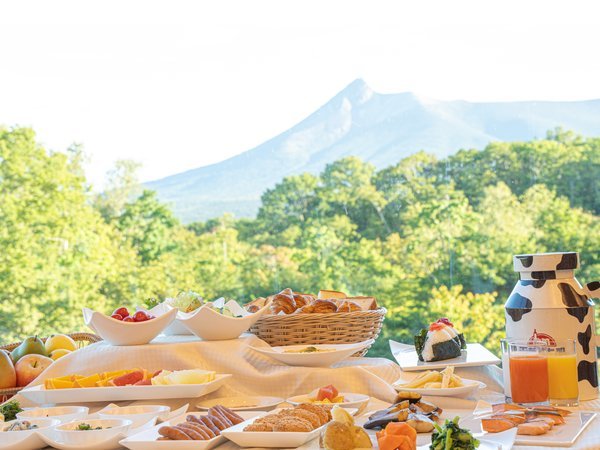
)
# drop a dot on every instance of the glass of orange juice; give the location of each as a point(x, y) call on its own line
point(528, 364)
point(562, 374)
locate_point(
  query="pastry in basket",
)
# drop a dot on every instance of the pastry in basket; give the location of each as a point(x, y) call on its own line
point(302, 418)
point(201, 428)
point(319, 307)
point(348, 306)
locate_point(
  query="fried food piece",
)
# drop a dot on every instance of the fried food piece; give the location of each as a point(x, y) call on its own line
point(205, 431)
point(309, 416)
point(323, 413)
point(290, 424)
point(208, 423)
point(215, 412)
point(173, 433)
point(259, 427)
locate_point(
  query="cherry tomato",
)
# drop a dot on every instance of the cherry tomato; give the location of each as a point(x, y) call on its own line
point(128, 319)
point(122, 311)
point(117, 316)
point(140, 316)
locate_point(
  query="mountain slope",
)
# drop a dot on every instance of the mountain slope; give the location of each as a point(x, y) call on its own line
point(379, 128)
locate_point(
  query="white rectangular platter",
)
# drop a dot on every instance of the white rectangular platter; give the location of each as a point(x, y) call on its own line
point(561, 435)
point(237, 435)
point(147, 440)
point(474, 355)
point(42, 396)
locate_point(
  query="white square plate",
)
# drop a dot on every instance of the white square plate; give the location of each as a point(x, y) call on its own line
point(42, 396)
point(147, 440)
point(474, 355)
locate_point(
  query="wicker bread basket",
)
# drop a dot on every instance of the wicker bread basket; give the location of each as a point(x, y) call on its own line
point(311, 329)
point(81, 339)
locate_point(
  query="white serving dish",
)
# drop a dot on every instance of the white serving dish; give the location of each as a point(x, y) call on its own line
point(68, 433)
point(213, 326)
point(117, 332)
point(40, 395)
point(474, 355)
point(138, 414)
point(242, 403)
point(280, 440)
point(25, 440)
point(469, 387)
point(61, 413)
point(147, 439)
point(316, 359)
point(176, 327)
point(350, 400)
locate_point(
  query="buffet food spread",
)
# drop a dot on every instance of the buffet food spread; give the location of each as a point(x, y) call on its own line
point(426, 412)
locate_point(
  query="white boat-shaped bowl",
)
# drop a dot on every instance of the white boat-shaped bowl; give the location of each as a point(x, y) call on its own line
point(138, 414)
point(63, 414)
point(213, 326)
point(117, 332)
point(25, 440)
point(176, 327)
point(68, 433)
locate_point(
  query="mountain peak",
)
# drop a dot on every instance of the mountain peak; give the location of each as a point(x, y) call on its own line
point(357, 92)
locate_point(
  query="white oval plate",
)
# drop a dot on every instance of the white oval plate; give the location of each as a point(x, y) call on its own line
point(469, 387)
point(242, 403)
point(350, 400)
point(317, 359)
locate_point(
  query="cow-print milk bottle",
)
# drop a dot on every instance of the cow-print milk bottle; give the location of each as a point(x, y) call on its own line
point(549, 303)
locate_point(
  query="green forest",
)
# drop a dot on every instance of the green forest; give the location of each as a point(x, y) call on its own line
point(428, 236)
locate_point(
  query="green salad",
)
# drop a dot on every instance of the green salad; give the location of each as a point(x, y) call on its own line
point(452, 437)
point(186, 301)
point(10, 410)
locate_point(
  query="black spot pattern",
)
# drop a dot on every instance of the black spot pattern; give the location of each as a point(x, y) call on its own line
point(588, 371)
point(567, 262)
point(535, 283)
point(517, 306)
point(544, 275)
point(584, 339)
point(578, 313)
point(570, 297)
point(593, 285)
point(526, 260)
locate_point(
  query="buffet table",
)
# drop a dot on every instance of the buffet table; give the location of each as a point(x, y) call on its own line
point(256, 374)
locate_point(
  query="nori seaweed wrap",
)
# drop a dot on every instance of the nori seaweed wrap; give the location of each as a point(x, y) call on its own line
point(441, 341)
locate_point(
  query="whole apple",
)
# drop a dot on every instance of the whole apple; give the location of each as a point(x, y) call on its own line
point(29, 367)
point(8, 376)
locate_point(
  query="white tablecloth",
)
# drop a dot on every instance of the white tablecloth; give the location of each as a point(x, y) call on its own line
point(256, 374)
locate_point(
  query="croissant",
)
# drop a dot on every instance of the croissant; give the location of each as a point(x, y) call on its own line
point(323, 306)
point(306, 309)
point(348, 306)
point(283, 303)
point(252, 308)
point(303, 300)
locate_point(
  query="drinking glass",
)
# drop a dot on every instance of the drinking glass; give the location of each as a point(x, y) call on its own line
point(562, 374)
point(528, 372)
point(506, 369)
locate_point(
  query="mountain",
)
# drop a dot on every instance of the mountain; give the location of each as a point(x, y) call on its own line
point(379, 128)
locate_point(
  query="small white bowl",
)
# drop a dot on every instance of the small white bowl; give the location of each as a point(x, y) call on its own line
point(69, 434)
point(63, 414)
point(176, 328)
point(117, 332)
point(213, 326)
point(139, 415)
point(27, 439)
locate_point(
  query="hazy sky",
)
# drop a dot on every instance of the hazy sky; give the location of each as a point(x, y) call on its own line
point(177, 85)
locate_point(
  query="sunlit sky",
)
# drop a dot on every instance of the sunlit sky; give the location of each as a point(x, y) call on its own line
point(181, 84)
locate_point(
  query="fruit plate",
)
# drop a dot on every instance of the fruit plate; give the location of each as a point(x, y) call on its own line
point(469, 386)
point(147, 439)
point(327, 354)
point(242, 403)
point(350, 400)
point(117, 332)
point(268, 439)
point(474, 355)
point(40, 395)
